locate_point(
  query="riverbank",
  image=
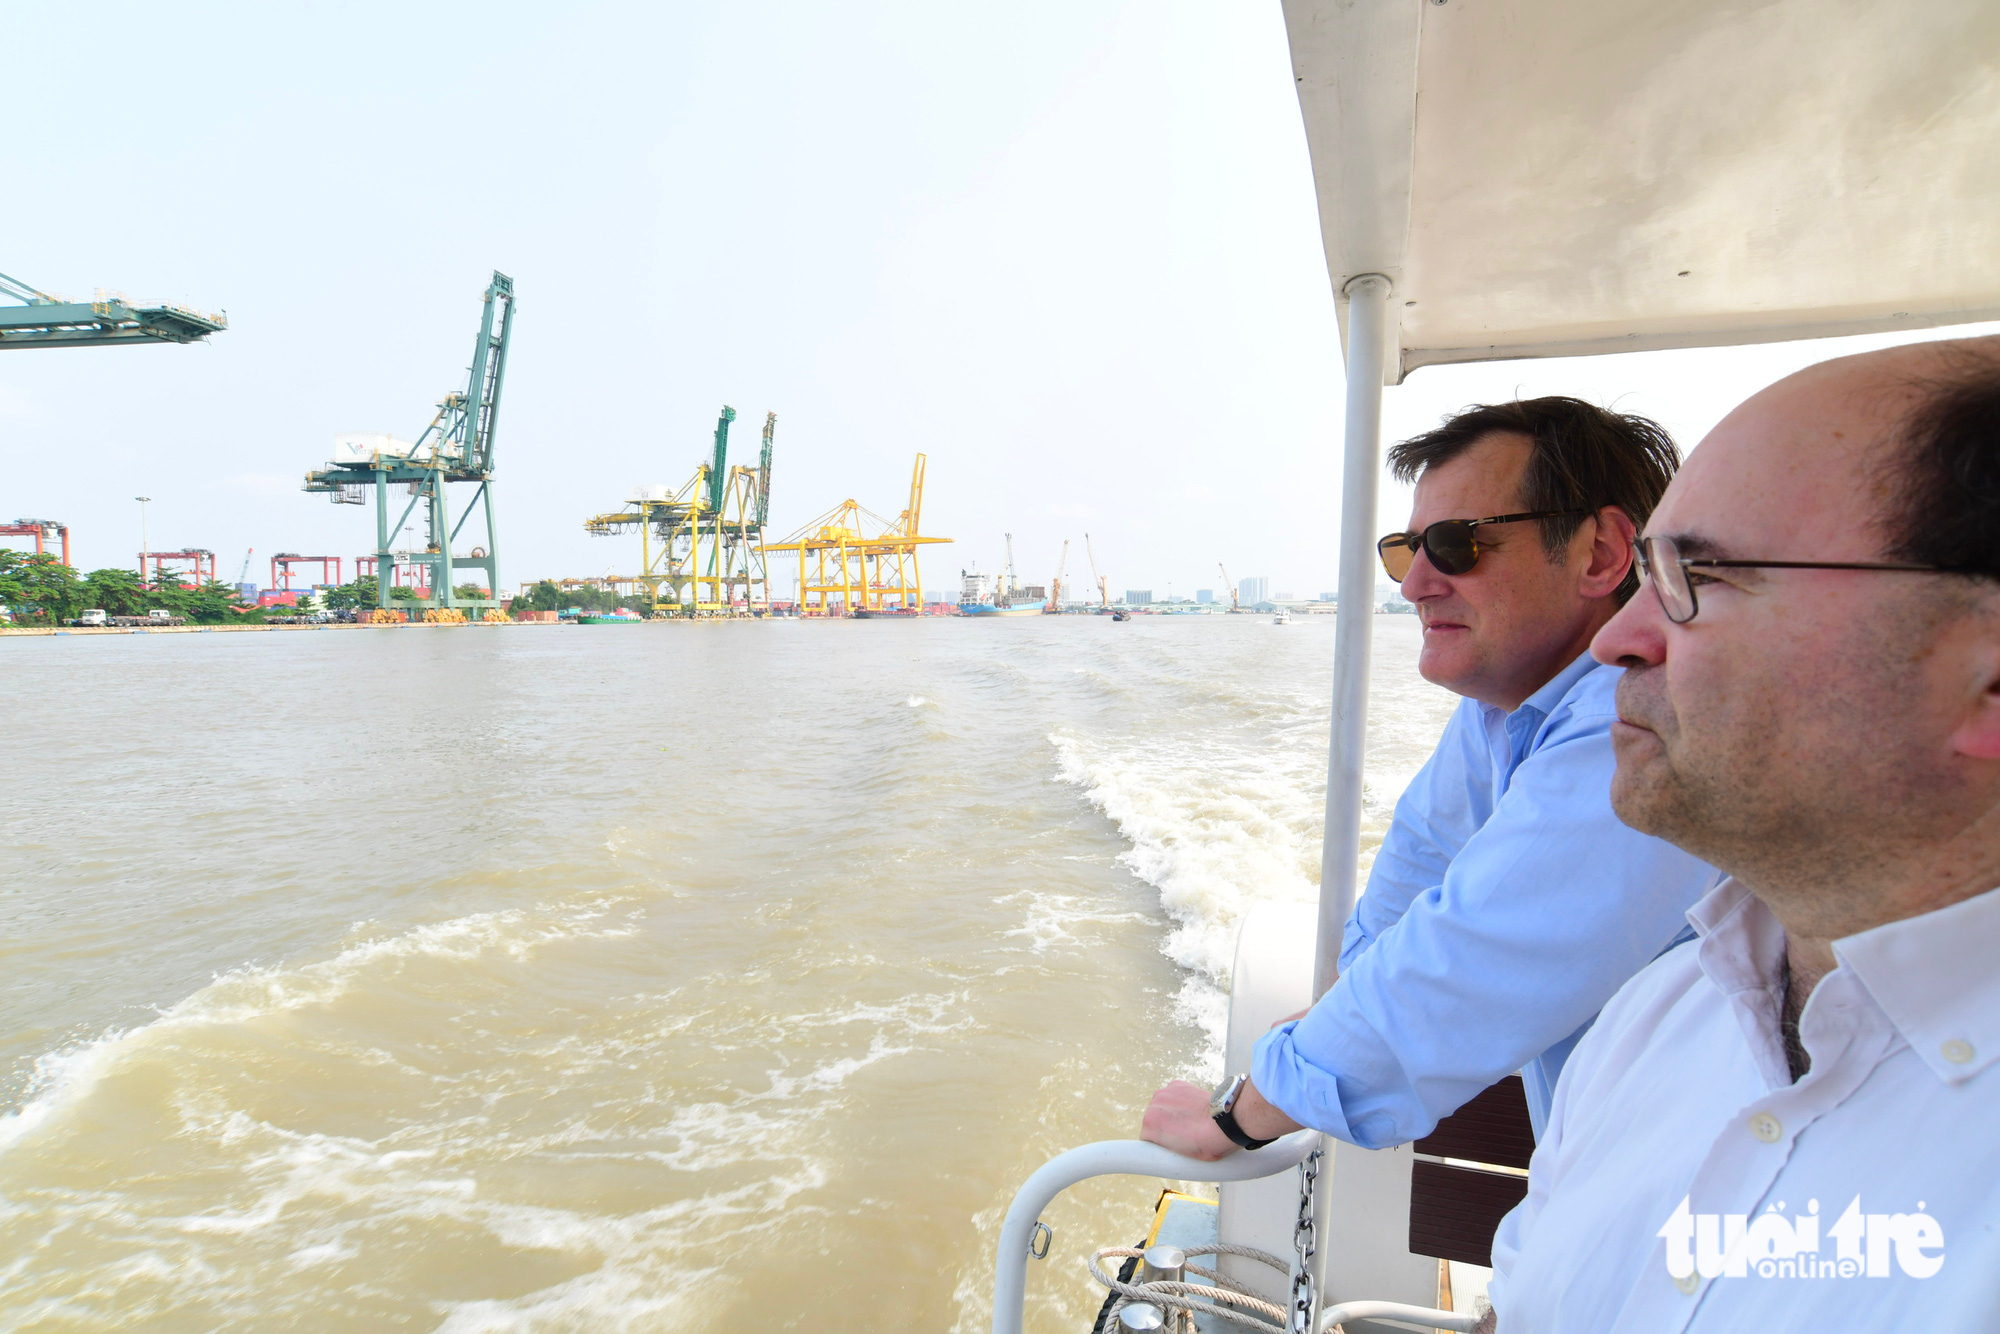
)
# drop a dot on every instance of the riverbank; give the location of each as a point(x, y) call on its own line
point(31, 631)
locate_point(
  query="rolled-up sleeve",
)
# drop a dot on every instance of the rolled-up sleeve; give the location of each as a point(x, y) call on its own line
point(1543, 914)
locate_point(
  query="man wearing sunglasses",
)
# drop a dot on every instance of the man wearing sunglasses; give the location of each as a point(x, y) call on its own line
point(1791, 1124)
point(1507, 902)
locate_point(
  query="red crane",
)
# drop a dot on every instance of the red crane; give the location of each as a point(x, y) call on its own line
point(40, 530)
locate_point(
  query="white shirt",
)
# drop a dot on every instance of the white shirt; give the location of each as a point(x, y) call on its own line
point(1676, 1130)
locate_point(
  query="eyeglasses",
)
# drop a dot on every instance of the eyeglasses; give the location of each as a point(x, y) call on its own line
point(1660, 560)
point(1450, 543)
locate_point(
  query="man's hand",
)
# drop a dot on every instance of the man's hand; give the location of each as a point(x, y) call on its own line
point(1178, 1119)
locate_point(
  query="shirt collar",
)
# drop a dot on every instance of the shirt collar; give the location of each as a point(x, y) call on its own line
point(1931, 974)
point(1544, 701)
point(1742, 951)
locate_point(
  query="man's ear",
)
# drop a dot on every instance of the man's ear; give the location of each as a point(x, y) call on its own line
point(1978, 733)
point(1611, 535)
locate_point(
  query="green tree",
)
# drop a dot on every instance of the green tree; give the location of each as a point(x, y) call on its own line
point(38, 587)
point(350, 597)
point(13, 592)
point(117, 591)
point(544, 596)
point(587, 599)
point(169, 595)
point(211, 604)
point(472, 591)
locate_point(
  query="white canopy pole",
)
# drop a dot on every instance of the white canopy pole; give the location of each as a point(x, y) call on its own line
point(1367, 354)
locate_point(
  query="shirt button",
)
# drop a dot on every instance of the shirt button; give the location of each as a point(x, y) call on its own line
point(1765, 1127)
point(1688, 1283)
point(1957, 1052)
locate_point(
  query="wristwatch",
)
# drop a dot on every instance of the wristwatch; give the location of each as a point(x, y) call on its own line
point(1222, 1107)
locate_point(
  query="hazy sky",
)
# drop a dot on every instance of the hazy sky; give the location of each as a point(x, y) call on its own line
point(1069, 250)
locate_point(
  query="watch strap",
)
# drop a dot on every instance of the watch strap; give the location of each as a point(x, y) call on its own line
point(1226, 1119)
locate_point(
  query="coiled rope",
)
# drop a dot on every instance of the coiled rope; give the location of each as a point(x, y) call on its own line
point(1237, 1304)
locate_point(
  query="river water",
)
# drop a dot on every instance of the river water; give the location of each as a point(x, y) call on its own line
point(657, 977)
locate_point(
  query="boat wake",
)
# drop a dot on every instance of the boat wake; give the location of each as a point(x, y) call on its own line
point(1216, 830)
point(412, 1119)
point(1225, 811)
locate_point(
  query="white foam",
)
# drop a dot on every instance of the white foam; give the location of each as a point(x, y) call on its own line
point(1051, 917)
point(327, 1253)
point(1223, 814)
point(1216, 831)
point(60, 1077)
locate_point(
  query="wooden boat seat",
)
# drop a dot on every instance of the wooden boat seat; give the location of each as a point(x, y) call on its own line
point(1454, 1207)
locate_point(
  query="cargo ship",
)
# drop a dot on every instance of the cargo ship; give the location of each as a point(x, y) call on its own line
point(983, 595)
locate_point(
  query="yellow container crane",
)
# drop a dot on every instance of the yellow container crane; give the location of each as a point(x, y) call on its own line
point(854, 574)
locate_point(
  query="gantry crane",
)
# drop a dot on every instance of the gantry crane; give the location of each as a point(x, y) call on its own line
point(702, 541)
point(456, 447)
point(1054, 604)
point(1103, 591)
point(200, 560)
point(110, 319)
point(281, 570)
point(864, 572)
point(42, 530)
point(1234, 605)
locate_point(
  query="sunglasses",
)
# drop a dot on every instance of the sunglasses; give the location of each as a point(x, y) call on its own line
point(1451, 544)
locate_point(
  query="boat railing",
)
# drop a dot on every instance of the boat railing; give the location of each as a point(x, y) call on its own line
point(1114, 1157)
point(1133, 1157)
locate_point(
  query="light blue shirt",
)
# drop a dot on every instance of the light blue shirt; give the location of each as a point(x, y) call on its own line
point(1506, 906)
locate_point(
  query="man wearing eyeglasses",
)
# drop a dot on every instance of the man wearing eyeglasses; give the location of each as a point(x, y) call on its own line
point(1507, 902)
point(1791, 1124)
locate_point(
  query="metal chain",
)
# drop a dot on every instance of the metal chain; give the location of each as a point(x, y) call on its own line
point(1305, 1301)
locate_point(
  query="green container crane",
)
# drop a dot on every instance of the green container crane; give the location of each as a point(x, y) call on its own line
point(456, 447)
point(718, 473)
point(701, 544)
point(49, 321)
point(764, 471)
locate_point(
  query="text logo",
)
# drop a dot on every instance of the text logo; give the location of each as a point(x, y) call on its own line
point(1774, 1246)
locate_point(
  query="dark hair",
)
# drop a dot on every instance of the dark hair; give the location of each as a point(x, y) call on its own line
point(1944, 479)
point(1585, 458)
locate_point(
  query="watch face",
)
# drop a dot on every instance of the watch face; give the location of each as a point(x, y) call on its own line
point(1224, 1096)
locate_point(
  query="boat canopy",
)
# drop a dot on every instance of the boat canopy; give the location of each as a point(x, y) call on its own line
point(1563, 177)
